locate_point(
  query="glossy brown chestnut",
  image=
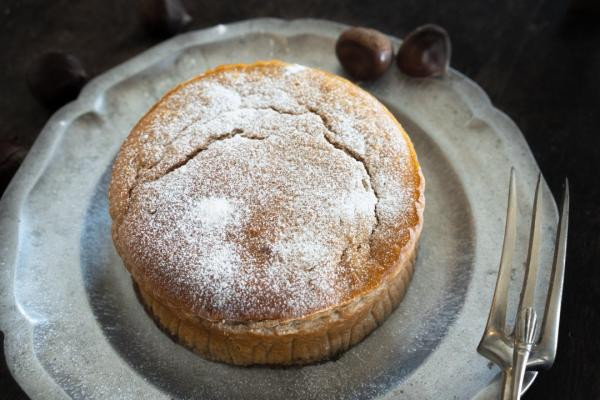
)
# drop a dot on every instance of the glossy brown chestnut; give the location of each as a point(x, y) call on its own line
point(11, 155)
point(425, 52)
point(364, 53)
point(56, 78)
point(163, 17)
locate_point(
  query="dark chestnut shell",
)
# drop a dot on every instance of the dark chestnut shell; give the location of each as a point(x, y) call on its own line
point(163, 17)
point(425, 52)
point(364, 53)
point(11, 156)
point(56, 78)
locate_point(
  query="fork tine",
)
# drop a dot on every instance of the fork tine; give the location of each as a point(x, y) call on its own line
point(497, 318)
point(528, 291)
point(549, 332)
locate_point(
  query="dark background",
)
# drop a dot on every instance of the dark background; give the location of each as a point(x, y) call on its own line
point(537, 59)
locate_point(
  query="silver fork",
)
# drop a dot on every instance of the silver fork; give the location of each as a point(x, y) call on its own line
point(521, 349)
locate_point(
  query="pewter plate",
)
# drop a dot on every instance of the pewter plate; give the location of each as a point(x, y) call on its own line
point(74, 328)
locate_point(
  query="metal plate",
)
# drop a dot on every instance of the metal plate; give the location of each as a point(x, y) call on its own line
point(74, 328)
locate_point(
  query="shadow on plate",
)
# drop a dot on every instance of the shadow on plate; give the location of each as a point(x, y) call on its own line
point(382, 361)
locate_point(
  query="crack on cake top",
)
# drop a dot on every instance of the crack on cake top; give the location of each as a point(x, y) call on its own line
point(264, 118)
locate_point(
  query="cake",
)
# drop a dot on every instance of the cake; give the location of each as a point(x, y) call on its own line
point(268, 213)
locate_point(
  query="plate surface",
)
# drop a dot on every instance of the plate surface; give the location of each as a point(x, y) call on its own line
point(74, 328)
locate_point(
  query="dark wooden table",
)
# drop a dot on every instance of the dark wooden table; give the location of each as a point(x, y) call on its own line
point(538, 60)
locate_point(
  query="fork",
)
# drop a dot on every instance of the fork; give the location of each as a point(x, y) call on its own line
point(520, 350)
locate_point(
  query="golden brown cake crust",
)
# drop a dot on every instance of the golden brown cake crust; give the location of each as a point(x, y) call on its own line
point(314, 338)
point(268, 203)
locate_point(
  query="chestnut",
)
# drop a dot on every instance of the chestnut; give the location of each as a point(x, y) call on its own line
point(163, 17)
point(425, 52)
point(56, 78)
point(11, 156)
point(364, 53)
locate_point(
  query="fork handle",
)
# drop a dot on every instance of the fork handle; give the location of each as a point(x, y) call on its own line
point(507, 378)
point(513, 378)
point(518, 373)
point(506, 390)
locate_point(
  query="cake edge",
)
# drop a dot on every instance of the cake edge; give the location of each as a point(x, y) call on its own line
point(309, 339)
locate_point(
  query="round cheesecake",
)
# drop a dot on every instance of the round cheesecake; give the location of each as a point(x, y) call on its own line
point(268, 213)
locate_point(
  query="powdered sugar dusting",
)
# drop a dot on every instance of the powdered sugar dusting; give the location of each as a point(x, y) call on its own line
point(212, 212)
point(264, 194)
point(294, 68)
point(358, 203)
